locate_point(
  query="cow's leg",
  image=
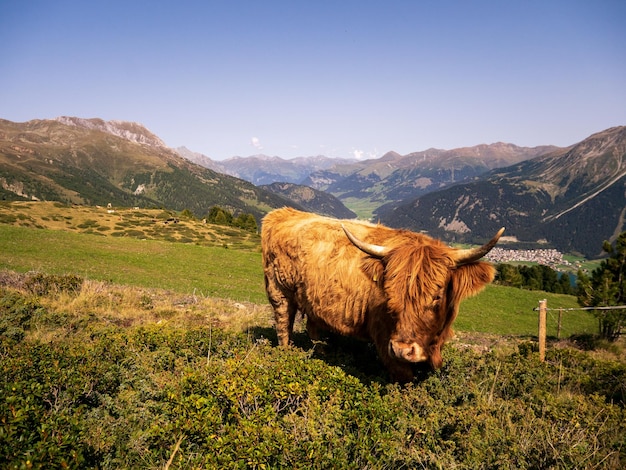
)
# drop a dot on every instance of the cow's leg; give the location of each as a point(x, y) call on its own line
point(284, 308)
point(284, 315)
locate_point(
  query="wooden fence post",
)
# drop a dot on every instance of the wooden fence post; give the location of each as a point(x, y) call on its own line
point(542, 329)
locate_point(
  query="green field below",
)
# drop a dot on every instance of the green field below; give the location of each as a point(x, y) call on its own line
point(236, 274)
point(181, 267)
point(363, 208)
point(510, 311)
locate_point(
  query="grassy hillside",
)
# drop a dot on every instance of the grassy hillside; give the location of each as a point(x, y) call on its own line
point(182, 267)
point(125, 222)
point(87, 162)
point(137, 248)
point(509, 311)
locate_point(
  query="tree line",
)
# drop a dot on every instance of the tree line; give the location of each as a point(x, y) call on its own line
point(535, 277)
point(220, 216)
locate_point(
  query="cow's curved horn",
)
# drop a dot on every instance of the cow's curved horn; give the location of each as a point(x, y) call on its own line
point(474, 254)
point(377, 251)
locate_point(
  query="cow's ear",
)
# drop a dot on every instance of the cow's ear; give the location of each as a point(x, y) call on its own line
point(470, 279)
point(373, 269)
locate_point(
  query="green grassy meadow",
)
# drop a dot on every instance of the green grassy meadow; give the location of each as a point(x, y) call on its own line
point(363, 208)
point(181, 267)
point(509, 311)
point(215, 271)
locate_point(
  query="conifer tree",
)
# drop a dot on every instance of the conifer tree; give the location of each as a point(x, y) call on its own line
point(606, 288)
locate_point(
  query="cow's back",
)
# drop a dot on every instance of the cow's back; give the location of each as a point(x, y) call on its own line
point(298, 241)
point(311, 261)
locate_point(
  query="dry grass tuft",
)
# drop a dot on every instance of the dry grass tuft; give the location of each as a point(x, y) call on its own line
point(128, 306)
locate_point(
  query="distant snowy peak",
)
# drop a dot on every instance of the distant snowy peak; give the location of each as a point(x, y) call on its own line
point(131, 131)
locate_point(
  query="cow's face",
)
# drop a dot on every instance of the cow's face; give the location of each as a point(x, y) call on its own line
point(426, 324)
point(424, 283)
point(421, 313)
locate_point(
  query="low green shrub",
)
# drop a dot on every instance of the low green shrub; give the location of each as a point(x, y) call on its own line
point(94, 394)
point(606, 378)
point(16, 313)
point(44, 284)
point(126, 397)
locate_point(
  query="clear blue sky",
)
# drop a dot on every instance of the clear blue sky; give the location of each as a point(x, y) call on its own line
point(338, 78)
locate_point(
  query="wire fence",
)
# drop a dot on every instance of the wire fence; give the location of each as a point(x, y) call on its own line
point(543, 309)
point(617, 307)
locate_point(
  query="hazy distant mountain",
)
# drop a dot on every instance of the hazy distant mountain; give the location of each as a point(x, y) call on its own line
point(394, 177)
point(202, 160)
point(311, 199)
point(91, 161)
point(572, 198)
point(262, 169)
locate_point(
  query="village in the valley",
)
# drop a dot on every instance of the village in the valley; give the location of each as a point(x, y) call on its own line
point(548, 257)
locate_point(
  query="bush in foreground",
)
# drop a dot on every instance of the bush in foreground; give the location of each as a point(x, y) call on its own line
point(100, 395)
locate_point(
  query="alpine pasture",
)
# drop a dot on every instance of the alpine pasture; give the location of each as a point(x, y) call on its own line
point(128, 342)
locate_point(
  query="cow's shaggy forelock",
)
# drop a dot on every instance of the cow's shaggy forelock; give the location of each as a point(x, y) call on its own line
point(414, 273)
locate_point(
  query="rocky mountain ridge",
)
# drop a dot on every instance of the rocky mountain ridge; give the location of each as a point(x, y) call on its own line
point(394, 178)
point(94, 162)
point(132, 131)
point(572, 199)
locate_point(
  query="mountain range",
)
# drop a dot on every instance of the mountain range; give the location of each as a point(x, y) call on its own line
point(571, 198)
point(263, 169)
point(374, 183)
point(96, 162)
point(394, 178)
